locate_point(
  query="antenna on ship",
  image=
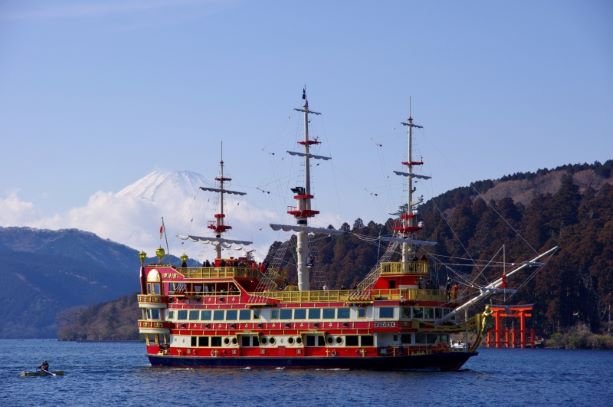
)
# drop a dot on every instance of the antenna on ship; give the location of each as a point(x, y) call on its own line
point(218, 225)
point(303, 196)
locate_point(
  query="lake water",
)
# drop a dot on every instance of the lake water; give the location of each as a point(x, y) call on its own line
point(119, 374)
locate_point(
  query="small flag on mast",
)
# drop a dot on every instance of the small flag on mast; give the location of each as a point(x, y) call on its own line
point(303, 93)
point(161, 230)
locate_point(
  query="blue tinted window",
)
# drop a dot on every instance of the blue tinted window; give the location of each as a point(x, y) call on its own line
point(342, 313)
point(329, 313)
point(314, 313)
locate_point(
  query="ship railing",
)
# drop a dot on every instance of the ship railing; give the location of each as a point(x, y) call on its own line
point(413, 267)
point(152, 298)
point(152, 327)
point(408, 294)
point(219, 272)
point(145, 323)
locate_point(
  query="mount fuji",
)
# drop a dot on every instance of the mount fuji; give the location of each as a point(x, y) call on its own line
point(133, 215)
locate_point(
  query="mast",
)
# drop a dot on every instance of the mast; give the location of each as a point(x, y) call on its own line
point(303, 196)
point(408, 225)
point(219, 226)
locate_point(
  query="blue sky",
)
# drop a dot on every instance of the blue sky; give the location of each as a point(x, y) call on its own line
point(96, 94)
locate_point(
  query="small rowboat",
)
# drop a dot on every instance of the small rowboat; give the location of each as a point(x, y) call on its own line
point(42, 373)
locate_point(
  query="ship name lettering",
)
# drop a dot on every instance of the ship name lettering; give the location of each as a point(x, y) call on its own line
point(385, 324)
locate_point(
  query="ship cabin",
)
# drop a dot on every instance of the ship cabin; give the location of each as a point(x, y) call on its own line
point(224, 310)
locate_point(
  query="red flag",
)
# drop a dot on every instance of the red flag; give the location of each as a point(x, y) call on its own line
point(161, 230)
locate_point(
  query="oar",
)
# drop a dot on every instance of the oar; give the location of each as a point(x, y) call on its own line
point(48, 372)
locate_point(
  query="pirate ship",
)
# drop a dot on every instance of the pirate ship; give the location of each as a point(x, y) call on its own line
point(231, 313)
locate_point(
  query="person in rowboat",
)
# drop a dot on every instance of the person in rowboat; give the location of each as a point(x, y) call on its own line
point(44, 366)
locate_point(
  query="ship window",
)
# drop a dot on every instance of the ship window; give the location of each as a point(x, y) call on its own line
point(153, 288)
point(406, 312)
point(286, 313)
point(231, 315)
point(438, 313)
point(343, 313)
point(443, 338)
point(256, 341)
point(194, 315)
point(215, 340)
point(420, 338)
point(386, 312)
point(205, 315)
point(171, 314)
point(428, 313)
point(245, 341)
point(351, 340)
point(329, 313)
point(194, 341)
point(367, 340)
point(203, 341)
point(339, 340)
point(244, 314)
point(154, 313)
point(182, 315)
point(274, 314)
point(418, 312)
point(298, 340)
point(310, 340)
point(272, 340)
point(264, 340)
point(432, 338)
point(314, 313)
point(300, 313)
point(226, 341)
point(321, 341)
point(218, 315)
point(330, 340)
point(361, 312)
point(405, 338)
point(290, 340)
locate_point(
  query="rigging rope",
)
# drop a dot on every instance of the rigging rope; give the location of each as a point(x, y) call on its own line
point(504, 220)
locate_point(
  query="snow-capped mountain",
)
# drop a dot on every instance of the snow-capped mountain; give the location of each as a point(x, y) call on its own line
point(160, 184)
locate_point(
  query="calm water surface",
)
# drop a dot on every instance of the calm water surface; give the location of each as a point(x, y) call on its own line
point(119, 374)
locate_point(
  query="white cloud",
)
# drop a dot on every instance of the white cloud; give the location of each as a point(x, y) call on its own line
point(15, 211)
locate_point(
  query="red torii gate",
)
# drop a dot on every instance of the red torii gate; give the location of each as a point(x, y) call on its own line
point(507, 337)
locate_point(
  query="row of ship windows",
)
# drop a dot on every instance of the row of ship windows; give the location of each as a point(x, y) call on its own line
point(309, 340)
point(314, 340)
point(425, 313)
